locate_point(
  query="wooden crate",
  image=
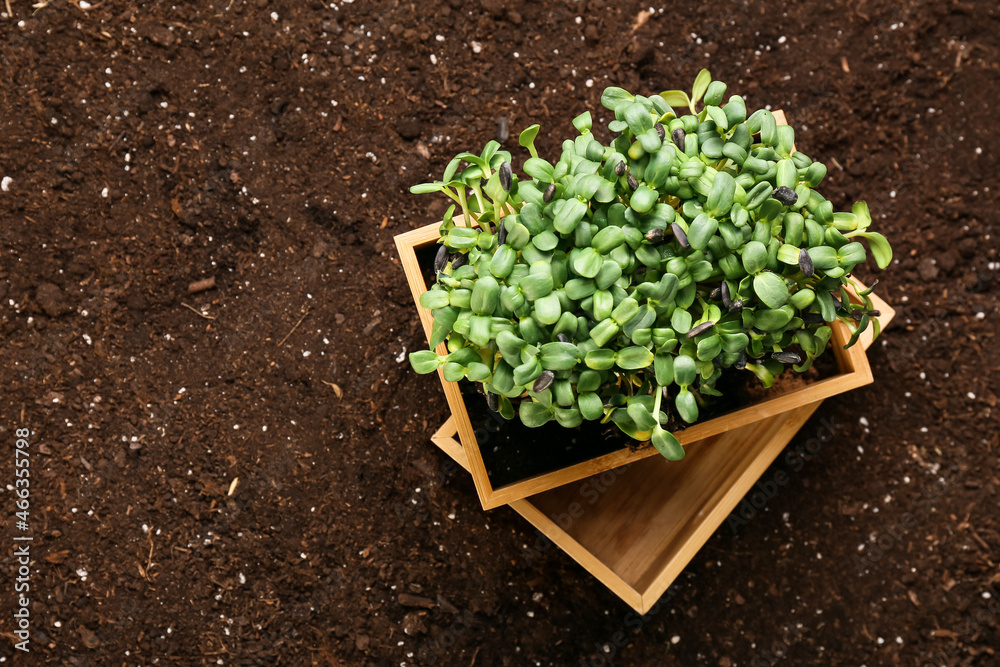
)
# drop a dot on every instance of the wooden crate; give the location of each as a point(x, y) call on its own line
point(853, 372)
point(653, 516)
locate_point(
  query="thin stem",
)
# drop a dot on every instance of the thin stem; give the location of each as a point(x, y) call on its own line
point(466, 215)
point(656, 403)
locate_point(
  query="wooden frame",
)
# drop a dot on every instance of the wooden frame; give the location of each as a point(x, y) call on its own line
point(653, 516)
point(852, 363)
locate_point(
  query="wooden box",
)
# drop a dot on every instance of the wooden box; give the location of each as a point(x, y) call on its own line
point(636, 528)
point(853, 372)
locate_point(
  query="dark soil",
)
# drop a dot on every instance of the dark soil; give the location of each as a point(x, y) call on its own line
point(243, 475)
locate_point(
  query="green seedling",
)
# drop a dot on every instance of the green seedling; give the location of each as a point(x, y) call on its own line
point(619, 282)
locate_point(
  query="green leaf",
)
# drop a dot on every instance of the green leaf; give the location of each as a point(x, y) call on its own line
point(851, 253)
point(568, 417)
point(860, 209)
point(666, 444)
point(588, 263)
point(764, 375)
point(702, 230)
point(685, 370)
point(559, 356)
point(700, 85)
point(638, 118)
point(640, 416)
point(435, 298)
point(681, 320)
point(424, 188)
point(478, 372)
point(485, 295)
point(588, 184)
point(721, 196)
point(613, 96)
point(583, 122)
point(527, 139)
point(773, 319)
point(449, 171)
point(424, 361)
point(676, 98)
point(600, 360)
point(827, 308)
point(569, 215)
point(687, 406)
point(643, 199)
point(881, 250)
point(607, 240)
point(754, 257)
point(634, 358)
point(719, 116)
point(770, 288)
point(540, 169)
point(548, 309)
point(591, 406)
point(789, 254)
point(534, 414)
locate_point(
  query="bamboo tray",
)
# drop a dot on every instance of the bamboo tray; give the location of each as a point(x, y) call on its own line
point(652, 517)
point(852, 364)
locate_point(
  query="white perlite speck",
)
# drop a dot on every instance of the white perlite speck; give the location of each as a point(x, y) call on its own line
point(5, 183)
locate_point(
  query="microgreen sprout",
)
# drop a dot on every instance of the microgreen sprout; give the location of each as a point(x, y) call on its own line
point(618, 283)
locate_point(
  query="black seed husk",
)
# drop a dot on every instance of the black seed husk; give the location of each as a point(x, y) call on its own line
point(679, 235)
point(785, 195)
point(678, 136)
point(505, 176)
point(812, 318)
point(502, 234)
point(856, 315)
point(633, 183)
point(874, 313)
point(715, 294)
point(492, 401)
point(503, 133)
point(620, 169)
point(727, 300)
point(654, 236)
point(741, 362)
point(660, 131)
point(549, 191)
point(700, 329)
point(806, 263)
point(458, 260)
point(787, 357)
point(544, 381)
point(736, 306)
point(441, 259)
